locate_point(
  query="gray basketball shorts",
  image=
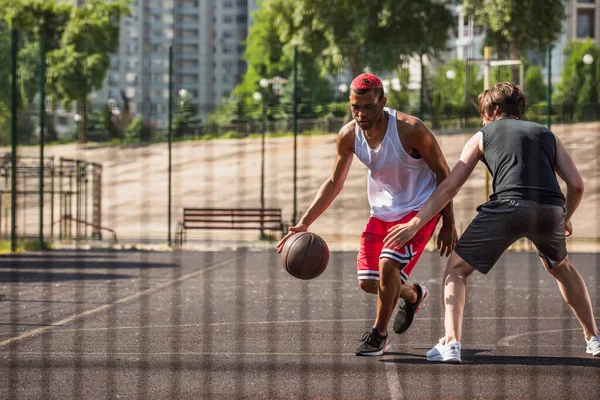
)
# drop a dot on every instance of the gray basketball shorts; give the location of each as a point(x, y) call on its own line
point(500, 223)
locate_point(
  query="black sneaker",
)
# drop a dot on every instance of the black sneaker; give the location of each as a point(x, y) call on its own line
point(406, 311)
point(373, 344)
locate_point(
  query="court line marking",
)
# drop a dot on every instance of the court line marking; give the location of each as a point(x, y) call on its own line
point(505, 341)
point(394, 381)
point(115, 303)
point(104, 328)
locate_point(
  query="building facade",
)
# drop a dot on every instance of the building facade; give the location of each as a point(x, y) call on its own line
point(207, 38)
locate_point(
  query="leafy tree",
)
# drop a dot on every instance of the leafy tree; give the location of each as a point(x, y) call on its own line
point(34, 20)
point(333, 34)
point(448, 96)
point(516, 26)
point(365, 33)
point(580, 83)
point(78, 67)
point(185, 117)
point(135, 130)
point(535, 87)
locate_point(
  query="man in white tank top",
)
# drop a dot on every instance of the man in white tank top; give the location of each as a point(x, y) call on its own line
point(405, 165)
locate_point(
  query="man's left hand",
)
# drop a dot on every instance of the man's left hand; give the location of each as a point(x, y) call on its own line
point(447, 239)
point(399, 235)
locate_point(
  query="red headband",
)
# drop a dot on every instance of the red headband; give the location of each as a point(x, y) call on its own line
point(366, 81)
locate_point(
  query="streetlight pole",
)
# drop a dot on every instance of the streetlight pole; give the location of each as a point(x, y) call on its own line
point(258, 97)
point(277, 85)
point(295, 212)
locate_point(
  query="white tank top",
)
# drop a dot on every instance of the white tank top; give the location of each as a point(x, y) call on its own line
point(396, 183)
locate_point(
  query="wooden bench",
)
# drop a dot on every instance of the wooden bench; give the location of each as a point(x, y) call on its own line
point(263, 219)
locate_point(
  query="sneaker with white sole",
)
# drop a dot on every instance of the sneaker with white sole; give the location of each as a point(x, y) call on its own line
point(407, 311)
point(593, 346)
point(373, 344)
point(447, 353)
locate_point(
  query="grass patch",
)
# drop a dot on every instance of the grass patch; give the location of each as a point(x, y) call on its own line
point(25, 245)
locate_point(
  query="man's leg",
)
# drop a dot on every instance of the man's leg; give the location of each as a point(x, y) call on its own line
point(574, 291)
point(455, 296)
point(369, 285)
point(390, 288)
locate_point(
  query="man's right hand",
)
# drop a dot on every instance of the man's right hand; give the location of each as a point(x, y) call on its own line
point(293, 229)
point(568, 228)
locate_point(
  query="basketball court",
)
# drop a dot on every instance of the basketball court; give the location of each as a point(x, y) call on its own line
point(234, 324)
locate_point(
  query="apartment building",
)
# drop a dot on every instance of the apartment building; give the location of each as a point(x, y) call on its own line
point(207, 38)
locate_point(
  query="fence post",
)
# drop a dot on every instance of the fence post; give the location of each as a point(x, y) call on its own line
point(42, 128)
point(170, 136)
point(13, 130)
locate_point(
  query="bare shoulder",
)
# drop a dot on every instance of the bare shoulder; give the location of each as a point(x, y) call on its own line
point(412, 131)
point(345, 137)
point(410, 124)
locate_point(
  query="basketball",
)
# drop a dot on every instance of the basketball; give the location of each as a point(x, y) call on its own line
point(305, 255)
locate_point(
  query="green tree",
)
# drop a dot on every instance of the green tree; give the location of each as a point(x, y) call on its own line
point(266, 59)
point(365, 33)
point(78, 67)
point(516, 26)
point(34, 20)
point(135, 130)
point(447, 91)
point(331, 35)
point(580, 83)
point(185, 118)
point(535, 87)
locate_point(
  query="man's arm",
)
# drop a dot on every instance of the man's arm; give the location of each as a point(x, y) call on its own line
point(332, 186)
point(565, 168)
point(471, 154)
point(424, 142)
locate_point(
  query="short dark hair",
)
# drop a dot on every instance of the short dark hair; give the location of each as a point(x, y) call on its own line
point(507, 96)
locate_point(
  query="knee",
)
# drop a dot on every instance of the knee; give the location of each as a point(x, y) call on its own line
point(459, 267)
point(369, 285)
point(564, 267)
point(388, 267)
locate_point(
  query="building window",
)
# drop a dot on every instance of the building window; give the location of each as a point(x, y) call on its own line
point(227, 19)
point(113, 78)
point(227, 34)
point(586, 1)
point(228, 4)
point(114, 94)
point(241, 19)
point(585, 23)
point(242, 3)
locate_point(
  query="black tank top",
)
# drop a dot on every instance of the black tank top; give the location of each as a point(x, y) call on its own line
point(521, 156)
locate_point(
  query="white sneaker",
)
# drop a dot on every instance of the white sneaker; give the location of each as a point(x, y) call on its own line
point(593, 346)
point(448, 353)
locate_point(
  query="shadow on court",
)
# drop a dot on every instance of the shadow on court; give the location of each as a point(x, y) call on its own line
point(59, 263)
point(474, 357)
point(41, 277)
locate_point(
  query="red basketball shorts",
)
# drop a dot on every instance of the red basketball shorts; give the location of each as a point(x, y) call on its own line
point(371, 247)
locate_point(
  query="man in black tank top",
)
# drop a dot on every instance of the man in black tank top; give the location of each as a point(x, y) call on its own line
point(523, 158)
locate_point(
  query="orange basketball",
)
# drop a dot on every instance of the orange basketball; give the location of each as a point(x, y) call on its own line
point(305, 255)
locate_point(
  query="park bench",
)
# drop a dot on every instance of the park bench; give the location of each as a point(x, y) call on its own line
point(262, 219)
